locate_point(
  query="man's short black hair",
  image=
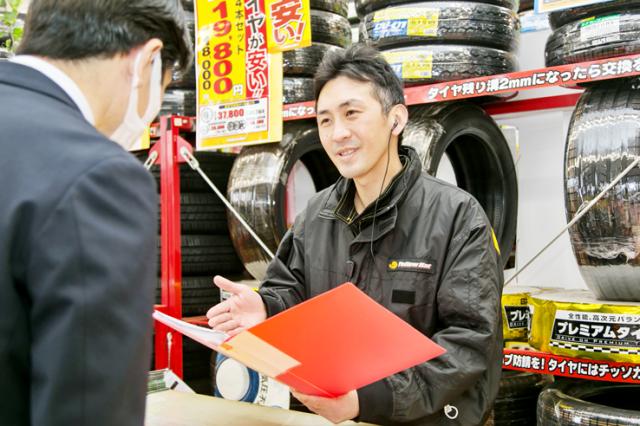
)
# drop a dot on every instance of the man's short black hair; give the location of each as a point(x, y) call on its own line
point(362, 63)
point(84, 29)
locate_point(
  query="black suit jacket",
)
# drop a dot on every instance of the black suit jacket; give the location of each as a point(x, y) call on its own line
point(78, 243)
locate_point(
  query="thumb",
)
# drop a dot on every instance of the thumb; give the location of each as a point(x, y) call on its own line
point(228, 285)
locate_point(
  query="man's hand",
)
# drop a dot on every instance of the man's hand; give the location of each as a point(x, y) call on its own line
point(242, 310)
point(336, 410)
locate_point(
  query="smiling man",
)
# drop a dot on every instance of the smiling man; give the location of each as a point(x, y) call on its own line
point(418, 246)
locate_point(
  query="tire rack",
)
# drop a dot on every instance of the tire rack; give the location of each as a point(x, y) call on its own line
point(502, 84)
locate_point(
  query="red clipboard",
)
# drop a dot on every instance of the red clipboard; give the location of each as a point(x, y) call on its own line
point(333, 343)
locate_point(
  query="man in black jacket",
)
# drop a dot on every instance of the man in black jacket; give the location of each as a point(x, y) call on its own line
point(420, 247)
point(78, 214)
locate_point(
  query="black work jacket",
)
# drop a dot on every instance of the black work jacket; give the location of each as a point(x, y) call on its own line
point(435, 266)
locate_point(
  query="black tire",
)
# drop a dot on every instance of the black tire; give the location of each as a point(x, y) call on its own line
point(563, 17)
point(364, 7)
point(179, 102)
point(330, 28)
point(341, 7)
point(602, 141)
point(480, 157)
point(209, 255)
point(216, 165)
point(202, 213)
point(257, 188)
point(304, 62)
point(458, 22)
point(431, 64)
point(579, 402)
point(571, 43)
point(517, 398)
point(198, 295)
point(297, 89)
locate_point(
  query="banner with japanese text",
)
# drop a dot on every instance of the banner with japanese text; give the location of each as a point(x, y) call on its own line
point(544, 6)
point(288, 25)
point(239, 90)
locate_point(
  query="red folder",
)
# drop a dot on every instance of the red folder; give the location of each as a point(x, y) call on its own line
point(336, 342)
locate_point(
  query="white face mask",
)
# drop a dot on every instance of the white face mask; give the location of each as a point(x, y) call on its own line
point(132, 126)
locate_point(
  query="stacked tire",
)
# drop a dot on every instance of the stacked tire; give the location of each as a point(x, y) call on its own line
point(517, 398)
point(330, 30)
point(434, 41)
point(258, 186)
point(569, 402)
point(602, 141)
point(206, 251)
point(596, 31)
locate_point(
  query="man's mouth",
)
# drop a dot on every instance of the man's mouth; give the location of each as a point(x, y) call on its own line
point(346, 152)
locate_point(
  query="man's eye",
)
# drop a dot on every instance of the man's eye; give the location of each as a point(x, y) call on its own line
point(351, 112)
point(324, 121)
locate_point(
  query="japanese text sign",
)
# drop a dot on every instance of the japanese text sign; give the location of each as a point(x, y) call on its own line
point(239, 83)
point(288, 25)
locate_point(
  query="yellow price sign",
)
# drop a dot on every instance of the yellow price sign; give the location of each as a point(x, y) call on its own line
point(288, 25)
point(239, 82)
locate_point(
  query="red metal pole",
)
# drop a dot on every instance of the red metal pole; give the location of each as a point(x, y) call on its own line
point(170, 244)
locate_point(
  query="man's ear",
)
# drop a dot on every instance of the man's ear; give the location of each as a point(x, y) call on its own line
point(148, 52)
point(399, 115)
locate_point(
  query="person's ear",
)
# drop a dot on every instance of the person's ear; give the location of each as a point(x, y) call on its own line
point(148, 52)
point(400, 115)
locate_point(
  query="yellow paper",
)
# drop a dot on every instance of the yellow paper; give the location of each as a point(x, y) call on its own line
point(239, 83)
point(288, 25)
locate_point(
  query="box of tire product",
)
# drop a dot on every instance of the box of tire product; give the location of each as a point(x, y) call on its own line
point(574, 323)
point(516, 313)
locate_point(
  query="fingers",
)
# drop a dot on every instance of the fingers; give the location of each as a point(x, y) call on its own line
point(219, 319)
point(220, 308)
point(228, 285)
point(228, 325)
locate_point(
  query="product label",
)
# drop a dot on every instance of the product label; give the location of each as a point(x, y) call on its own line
point(236, 118)
point(597, 329)
point(410, 65)
point(601, 30)
point(391, 22)
point(517, 317)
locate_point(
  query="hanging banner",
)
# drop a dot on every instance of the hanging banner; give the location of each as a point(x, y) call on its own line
point(288, 25)
point(545, 363)
point(239, 83)
point(544, 6)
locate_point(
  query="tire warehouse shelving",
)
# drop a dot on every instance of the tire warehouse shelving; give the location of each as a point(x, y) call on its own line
point(419, 98)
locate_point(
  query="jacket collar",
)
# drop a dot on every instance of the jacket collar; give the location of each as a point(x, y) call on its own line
point(29, 79)
point(339, 204)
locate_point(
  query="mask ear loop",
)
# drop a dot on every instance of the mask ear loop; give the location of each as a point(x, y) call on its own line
point(155, 86)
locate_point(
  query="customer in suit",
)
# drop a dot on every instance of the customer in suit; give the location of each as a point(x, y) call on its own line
point(78, 213)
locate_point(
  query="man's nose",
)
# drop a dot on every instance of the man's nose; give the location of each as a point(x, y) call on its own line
point(340, 131)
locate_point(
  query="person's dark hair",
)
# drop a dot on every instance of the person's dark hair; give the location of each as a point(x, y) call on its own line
point(362, 63)
point(83, 29)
